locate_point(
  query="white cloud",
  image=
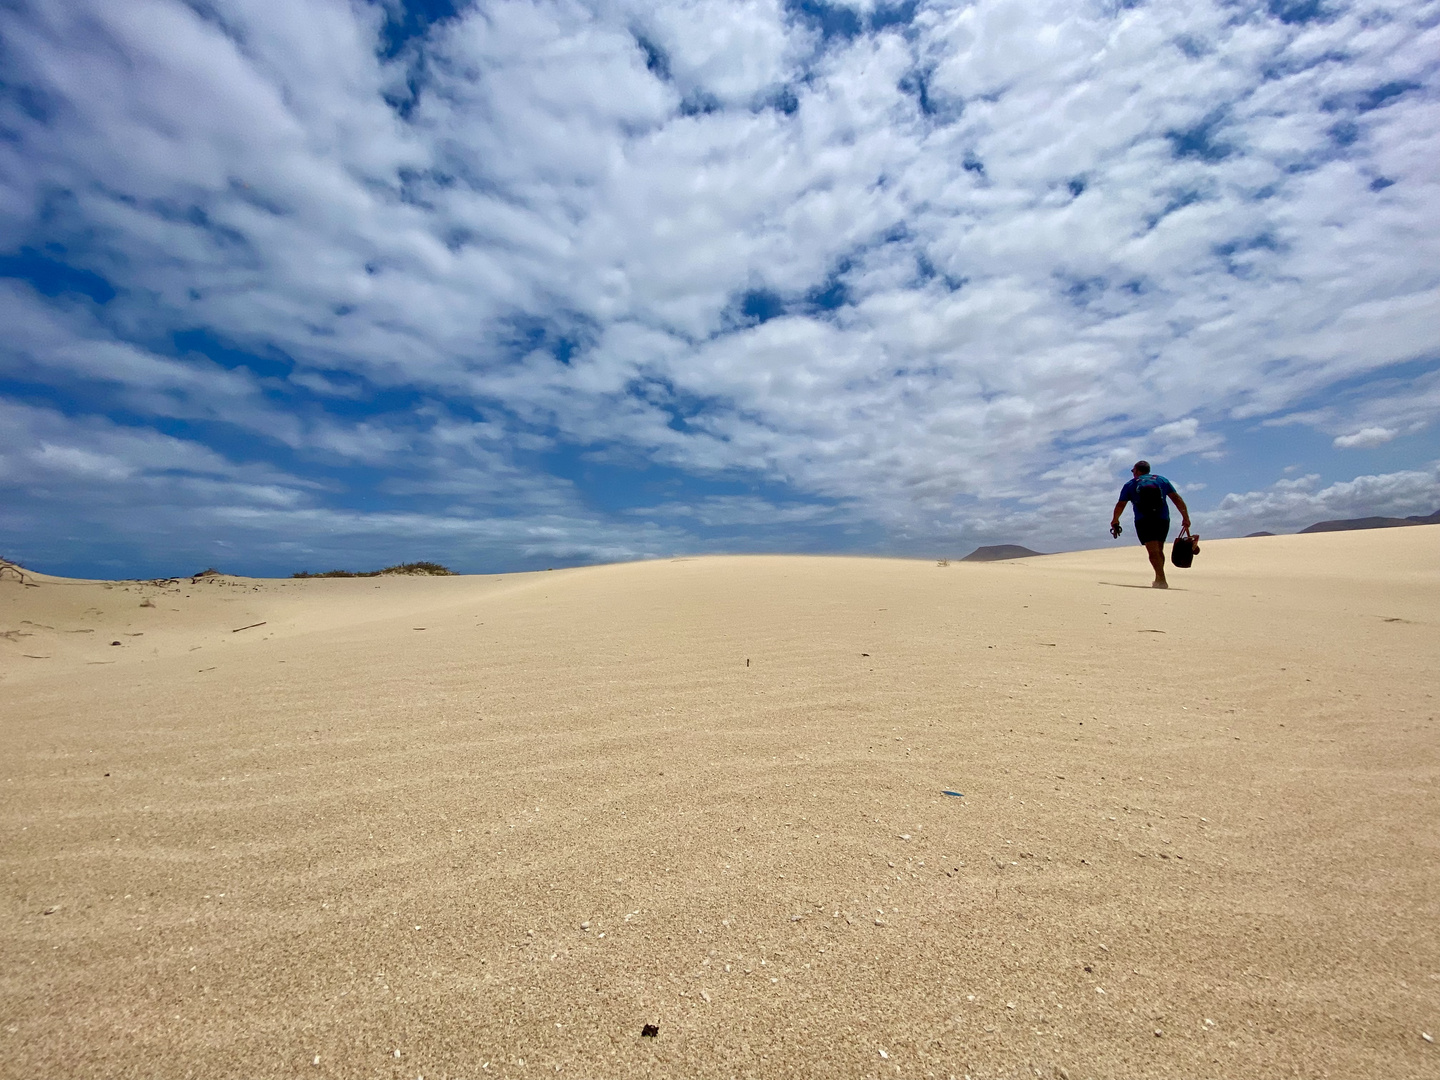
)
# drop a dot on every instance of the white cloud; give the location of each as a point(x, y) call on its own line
point(1180, 431)
point(1292, 505)
point(74, 461)
point(731, 52)
point(735, 511)
point(1397, 405)
point(1018, 239)
point(44, 449)
point(1365, 438)
point(160, 503)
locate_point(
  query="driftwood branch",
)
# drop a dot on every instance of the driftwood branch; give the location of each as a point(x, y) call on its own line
point(9, 569)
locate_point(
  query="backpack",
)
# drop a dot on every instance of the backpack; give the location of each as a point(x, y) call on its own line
point(1149, 496)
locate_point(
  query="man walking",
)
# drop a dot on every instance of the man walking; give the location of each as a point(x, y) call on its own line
point(1147, 493)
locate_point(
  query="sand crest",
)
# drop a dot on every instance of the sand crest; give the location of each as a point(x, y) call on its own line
point(477, 827)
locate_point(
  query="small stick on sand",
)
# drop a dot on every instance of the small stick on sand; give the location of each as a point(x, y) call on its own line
point(250, 627)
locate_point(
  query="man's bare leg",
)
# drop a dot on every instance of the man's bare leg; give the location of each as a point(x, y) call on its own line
point(1156, 550)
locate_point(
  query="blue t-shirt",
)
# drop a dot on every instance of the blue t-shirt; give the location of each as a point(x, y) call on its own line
point(1142, 501)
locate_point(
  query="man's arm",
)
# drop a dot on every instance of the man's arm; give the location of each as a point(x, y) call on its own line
point(1115, 517)
point(1180, 505)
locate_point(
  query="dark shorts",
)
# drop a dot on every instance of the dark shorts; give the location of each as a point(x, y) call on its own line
point(1150, 531)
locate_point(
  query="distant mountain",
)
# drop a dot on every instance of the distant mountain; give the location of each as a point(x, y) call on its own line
point(996, 552)
point(1249, 535)
point(1347, 524)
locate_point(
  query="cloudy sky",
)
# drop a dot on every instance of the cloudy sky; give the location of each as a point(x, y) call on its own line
point(297, 284)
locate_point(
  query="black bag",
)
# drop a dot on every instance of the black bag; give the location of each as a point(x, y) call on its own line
point(1185, 548)
point(1149, 496)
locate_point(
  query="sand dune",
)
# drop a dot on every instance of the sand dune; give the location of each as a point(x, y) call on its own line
point(499, 824)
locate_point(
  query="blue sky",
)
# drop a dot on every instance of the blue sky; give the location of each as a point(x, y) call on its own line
point(521, 284)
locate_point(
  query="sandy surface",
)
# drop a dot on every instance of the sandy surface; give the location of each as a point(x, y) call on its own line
point(497, 824)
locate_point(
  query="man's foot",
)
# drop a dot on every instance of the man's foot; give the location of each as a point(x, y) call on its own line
point(1160, 583)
